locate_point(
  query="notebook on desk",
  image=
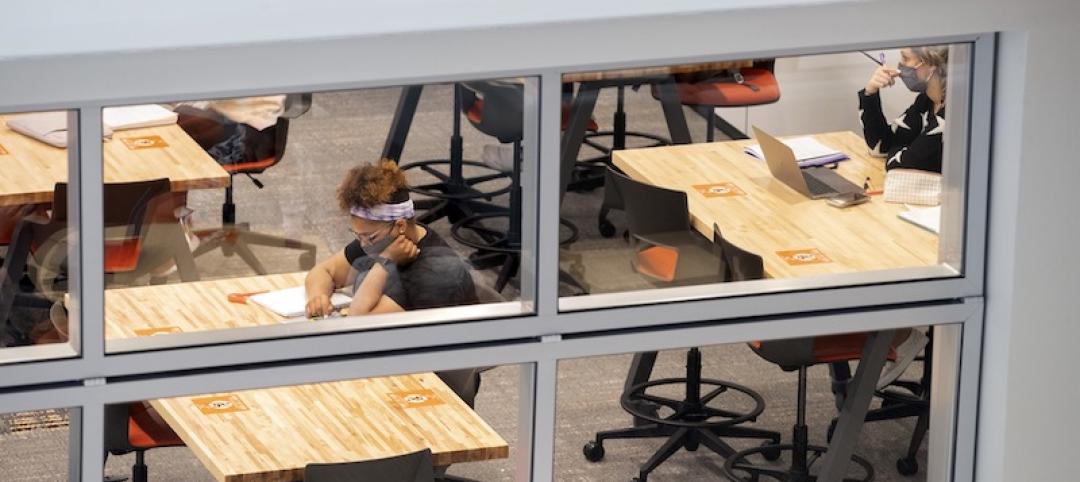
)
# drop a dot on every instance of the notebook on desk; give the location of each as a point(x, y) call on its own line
point(291, 302)
point(48, 127)
point(137, 116)
point(807, 150)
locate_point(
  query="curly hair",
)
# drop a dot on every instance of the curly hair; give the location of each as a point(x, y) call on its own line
point(371, 184)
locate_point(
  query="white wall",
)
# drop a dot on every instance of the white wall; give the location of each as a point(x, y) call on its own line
point(818, 94)
point(1028, 413)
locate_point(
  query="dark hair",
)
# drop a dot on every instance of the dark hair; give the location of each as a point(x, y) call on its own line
point(369, 185)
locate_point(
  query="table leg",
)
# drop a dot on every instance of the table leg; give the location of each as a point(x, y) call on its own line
point(403, 117)
point(580, 111)
point(860, 392)
point(673, 111)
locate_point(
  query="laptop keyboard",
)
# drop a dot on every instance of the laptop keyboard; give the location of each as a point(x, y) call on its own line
point(816, 186)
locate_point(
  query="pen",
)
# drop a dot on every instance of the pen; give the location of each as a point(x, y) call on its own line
point(871, 57)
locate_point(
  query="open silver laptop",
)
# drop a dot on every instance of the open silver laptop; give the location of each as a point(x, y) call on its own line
point(814, 183)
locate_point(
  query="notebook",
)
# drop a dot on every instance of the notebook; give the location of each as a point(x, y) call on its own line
point(926, 218)
point(48, 127)
point(137, 116)
point(808, 152)
point(290, 302)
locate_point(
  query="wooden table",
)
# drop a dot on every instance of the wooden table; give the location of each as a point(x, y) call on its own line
point(773, 220)
point(652, 71)
point(271, 434)
point(32, 168)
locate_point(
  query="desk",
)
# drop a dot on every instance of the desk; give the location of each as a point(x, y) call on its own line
point(769, 219)
point(32, 168)
point(271, 434)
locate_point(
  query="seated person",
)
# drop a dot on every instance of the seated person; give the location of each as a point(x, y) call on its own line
point(913, 140)
point(395, 263)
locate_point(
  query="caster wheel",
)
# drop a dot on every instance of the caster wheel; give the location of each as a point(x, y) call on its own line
point(832, 430)
point(607, 229)
point(773, 452)
point(307, 261)
point(593, 451)
point(907, 466)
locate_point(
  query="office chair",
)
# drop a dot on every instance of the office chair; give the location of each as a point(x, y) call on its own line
point(132, 428)
point(692, 421)
point(237, 238)
point(496, 109)
point(618, 134)
point(743, 87)
point(411, 467)
point(903, 399)
point(799, 354)
point(13, 270)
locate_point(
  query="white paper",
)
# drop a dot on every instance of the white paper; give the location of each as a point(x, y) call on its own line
point(926, 218)
point(137, 116)
point(291, 302)
point(804, 147)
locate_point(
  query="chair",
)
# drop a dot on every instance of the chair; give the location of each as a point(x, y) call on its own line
point(744, 87)
point(496, 109)
point(618, 134)
point(141, 235)
point(692, 421)
point(237, 238)
point(799, 354)
point(133, 428)
point(13, 269)
point(412, 467)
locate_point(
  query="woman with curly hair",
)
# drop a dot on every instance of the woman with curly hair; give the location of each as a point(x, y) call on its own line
point(395, 263)
point(912, 140)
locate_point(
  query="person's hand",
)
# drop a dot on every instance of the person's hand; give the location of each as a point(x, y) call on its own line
point(881, 78)
point(318, 305)
point(402, 251)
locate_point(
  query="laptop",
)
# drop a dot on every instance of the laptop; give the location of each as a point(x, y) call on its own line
point(814, 183)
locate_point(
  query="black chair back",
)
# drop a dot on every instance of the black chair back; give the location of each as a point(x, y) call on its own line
point(503, 109)
point(738, 264)
point(649, 209)
point(126, 204)
point(414, 467)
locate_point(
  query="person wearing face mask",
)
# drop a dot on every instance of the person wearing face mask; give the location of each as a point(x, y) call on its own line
point(912, 140)
point(395, 263)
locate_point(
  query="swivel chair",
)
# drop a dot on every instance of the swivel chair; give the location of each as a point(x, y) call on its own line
point(411, 467)
point(744, 87)
point(133, 428)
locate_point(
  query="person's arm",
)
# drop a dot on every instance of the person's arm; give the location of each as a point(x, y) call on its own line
point(369, 297)
point(322, 280)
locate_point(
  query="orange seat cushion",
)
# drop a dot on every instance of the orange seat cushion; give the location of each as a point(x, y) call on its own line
point(146, 431)
point(731, 94)
point(242, 167)
point(122, 255)
point(658, 262)
point(835, 348)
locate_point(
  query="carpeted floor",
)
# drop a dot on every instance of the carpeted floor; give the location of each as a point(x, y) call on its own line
point(346, 128)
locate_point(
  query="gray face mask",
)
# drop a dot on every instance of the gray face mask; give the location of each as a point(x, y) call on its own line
point(911, 78)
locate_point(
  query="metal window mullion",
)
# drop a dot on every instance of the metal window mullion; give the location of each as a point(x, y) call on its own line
point(530, 174)
point(967, 408)
point(87, 244)
point(543, 442)
point(547, 259)
point(91, 452)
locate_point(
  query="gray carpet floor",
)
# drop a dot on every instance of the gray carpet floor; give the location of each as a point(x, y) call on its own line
point(346, 128)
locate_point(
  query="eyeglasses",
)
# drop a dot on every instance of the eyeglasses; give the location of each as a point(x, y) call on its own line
point(367, 239)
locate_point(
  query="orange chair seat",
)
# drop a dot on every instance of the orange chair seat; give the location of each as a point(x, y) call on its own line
point(144, 432)
point(122, 255)
point(475, 115)
point(835, 348)
point(253, 166)
point(731, 94)
point(658, 262)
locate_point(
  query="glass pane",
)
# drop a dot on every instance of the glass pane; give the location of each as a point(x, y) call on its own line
point(747, 398)
point(33, 234)
point(274, 210)
point(813, 169)
point(467, 418)
point(34, 446)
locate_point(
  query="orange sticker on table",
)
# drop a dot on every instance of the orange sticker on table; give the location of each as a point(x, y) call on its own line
point(415, 398)
point(144, 142)
point(798, 257)
point(227, 403)
point(2, 150)
point(161, 330)
point(720, 189)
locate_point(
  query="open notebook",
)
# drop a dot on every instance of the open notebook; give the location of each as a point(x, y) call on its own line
point(137, 116)
point(808, 151)
point(290, 302)
point(926, 218)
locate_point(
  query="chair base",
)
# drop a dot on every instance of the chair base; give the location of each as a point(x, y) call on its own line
point(238, 238)
point(497, 248)
point(739, 468)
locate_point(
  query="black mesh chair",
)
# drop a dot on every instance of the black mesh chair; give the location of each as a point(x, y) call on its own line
point(413, 467)
point(700, 417)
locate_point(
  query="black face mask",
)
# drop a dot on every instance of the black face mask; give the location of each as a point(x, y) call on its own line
point(911, 78)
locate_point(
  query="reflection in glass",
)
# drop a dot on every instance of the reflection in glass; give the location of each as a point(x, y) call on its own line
point(844, 174)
